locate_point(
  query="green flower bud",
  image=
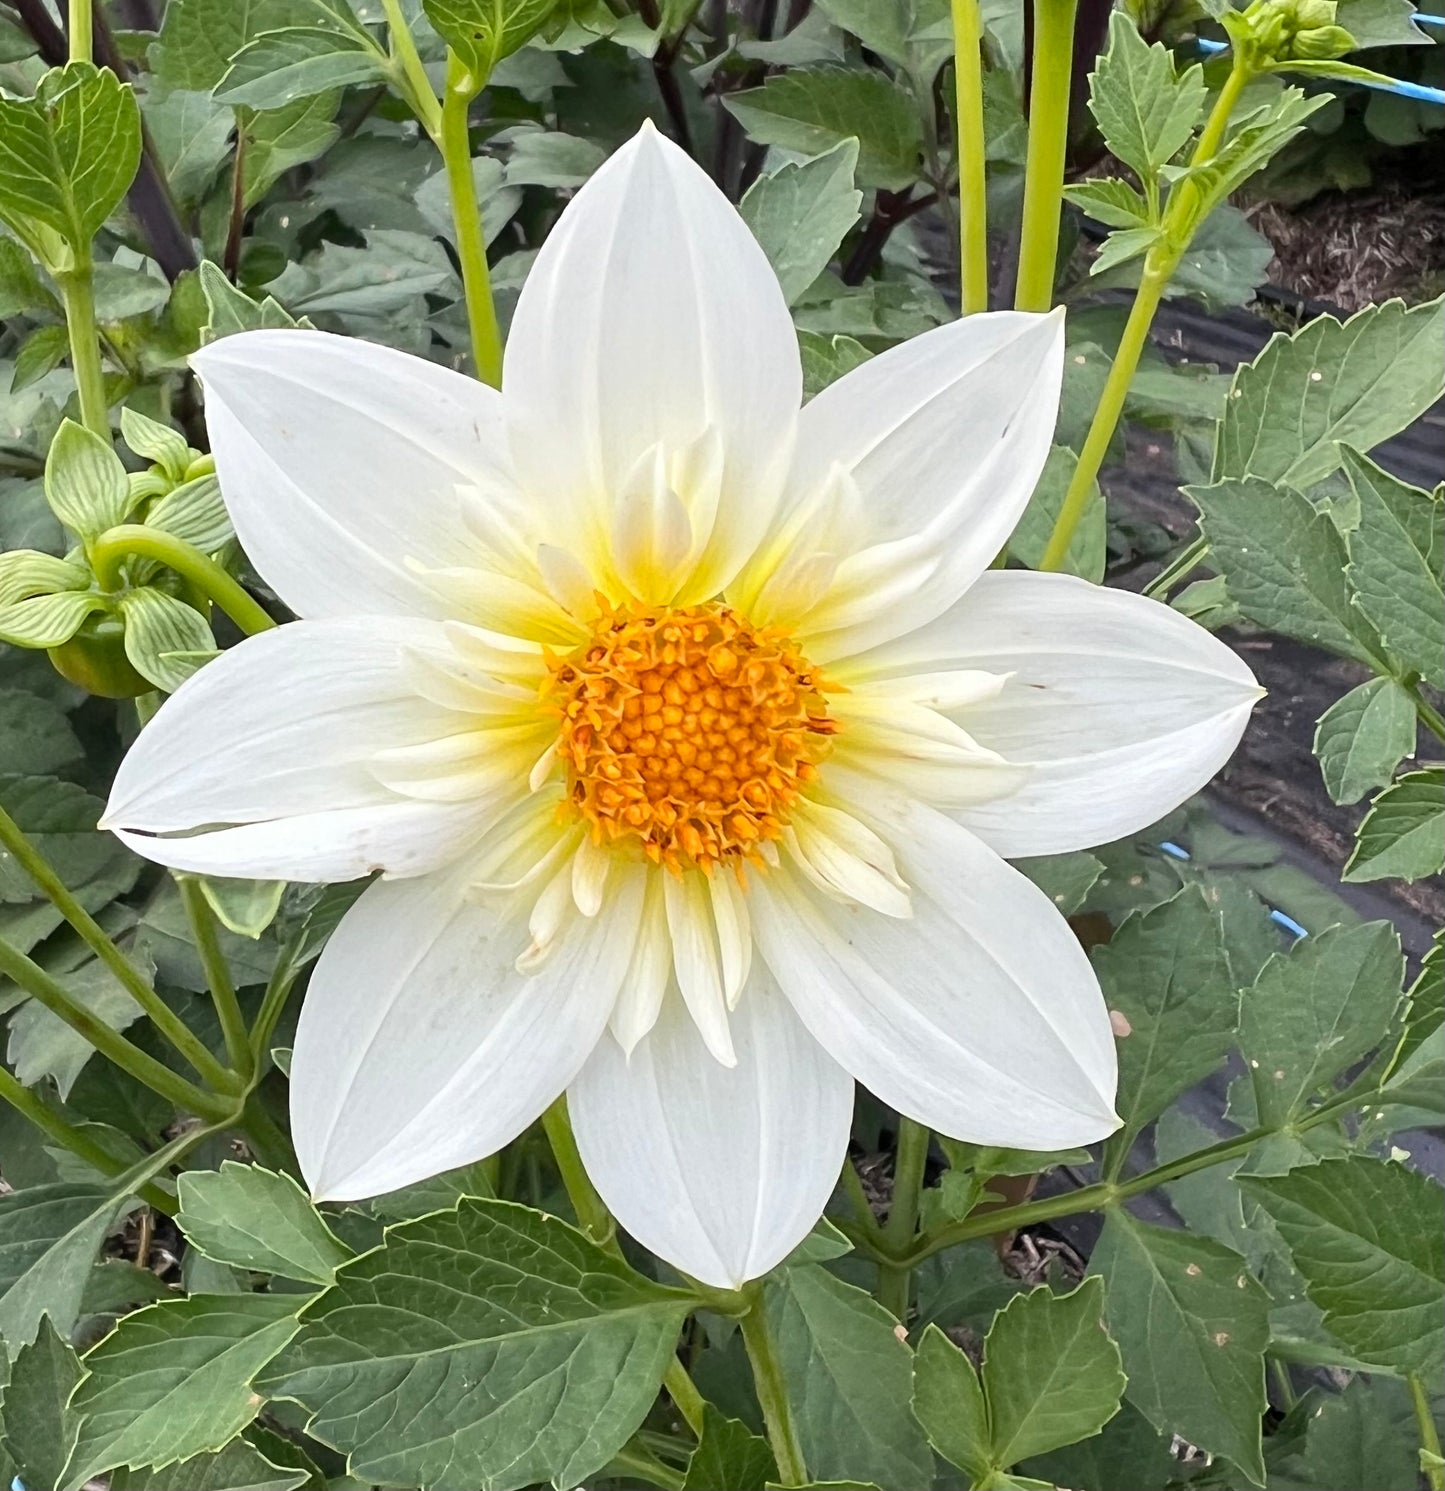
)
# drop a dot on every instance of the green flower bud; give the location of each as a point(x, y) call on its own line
point(1310, 15)
point(94, 659)
point(1323, 44)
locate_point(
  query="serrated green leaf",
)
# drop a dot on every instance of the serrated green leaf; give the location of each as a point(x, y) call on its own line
point(256, 1219)
point(122, 293)
point(22, 291)
point(152, 441)
point(496, 201)
point(421, 1362)
point(1192, 1325)
point(36, 737)
point(60, 818)
point(1129, 1451)
point(1088, 548)
point(279, 67)
point(174, 1380)
point(827, 358)
point(165, 639)
point(1425, 999)
point(232, 310)
point(200, 37)
point(1331, 383)
point(1397, 556)
point(948, 1402)
point(278, 139)
point(1366, 1235)
point(68, 154)
point(728, 1457)
point(800, 213)
point(191, 133)
point(1363, 1438)
point(1065, 879)
point(1145, 112)
point(1363, 736)
point(849, 1380)
point(238, 1467)
point(1283, 564)
point(113, 1284)
point(389, 274)
point(1381, 23)
point(85, 481)
point(1403, 835)
point(38, 1433)
point(196, 513)
point(551, 158)
point(40, 353)
point(1109, 200)
point(482, 32)
point(1168, 974)
point(812, 110)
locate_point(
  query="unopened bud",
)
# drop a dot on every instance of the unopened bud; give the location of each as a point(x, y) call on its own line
point(1323, 44)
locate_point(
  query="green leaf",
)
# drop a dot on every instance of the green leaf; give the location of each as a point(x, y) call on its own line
point(1403, 835)
point(1363, 1438)
point(496, 201)
point(47, 620)
point(551, 158)
point(232, 310)
point(1425, 1000)
point(68, 154)
point(113, 1284)
point(1283, 564)
point(811, 110)
point(1051, 1374)
point(49, 1236)
point(278, 139)
point(422, 1361)
point(1315, 1011)
point(165, 639)
point(246, 907)
point(200, 37)
point(1144, 111)
point(826, 359)
point(22, 291)
point(60, 819)
point(1192, 1325)
point(152, 441)
point(1168, 974)
point(482, 32)
point(1065, 879)
point(1109, 200)
point(237, 1467)
point(1397, 556)
point(279, 67)
point(192, 136)
point(38, 1432)
point(1088, 549)
point(1381, 23)
point(195, 512)
point(728, 1457)
point(27, 572)
point(849, 1380)
point(85, 481)
point(1331, 383)
point(800, 213)
point(389, 274)
point(1129, 1452)
point(174, 1380)
point(40, 353)
point(258, 1220)
point(1363, 737)
point(35, 735)
point(948, 1402)
point(1366, 1235)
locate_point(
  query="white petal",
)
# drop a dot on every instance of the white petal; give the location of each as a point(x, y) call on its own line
point(846, 859)
point(277, 734)
point(980, 1017)
point(650, 972)
point(590, 867)
point(734, 932)
point(945, 437)
point(650, 318)
point(721, 1171)
point(696, 960)
point(420, 1047)
point(1119, 707)
point(340, 460)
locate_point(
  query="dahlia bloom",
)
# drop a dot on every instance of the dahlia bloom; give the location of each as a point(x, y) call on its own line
point(689, 731)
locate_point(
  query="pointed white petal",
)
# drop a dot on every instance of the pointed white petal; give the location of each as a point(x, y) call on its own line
point(696, 961)
point(847, 859)
point(721, 1171)
point(734, 932)
point(1119, 707)
point(945, 437)
point(420, 1047)
point(590, 867)
point(651, 531)
point(651, 316)
point(650, 971)
point(339, 460)
point(980, 1017)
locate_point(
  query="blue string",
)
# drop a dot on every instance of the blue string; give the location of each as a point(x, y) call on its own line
point(1278, 917)
point(1396, 85)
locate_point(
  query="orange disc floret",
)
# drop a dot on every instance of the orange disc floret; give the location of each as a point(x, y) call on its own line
point(687, 730)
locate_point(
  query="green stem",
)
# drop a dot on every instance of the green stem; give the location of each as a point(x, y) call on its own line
point(1430, 717)
point(636, 1461)
point(76, 1140)
point(684, 1394)
point(82, 39)
point(218, 976)
point(131, 979)
point(1188, 558)
point(117, 544)
point(456, 149)
point(1429, 1438)
point(1048, 145)
point(267, 1140)
point(972, 156)
point(773, 1394)
point(273, 1001)
point(898, 1231)
point(31, 977)
point(413, 82)
point(592, 1215)
point(857, 1196)
point(78, 293)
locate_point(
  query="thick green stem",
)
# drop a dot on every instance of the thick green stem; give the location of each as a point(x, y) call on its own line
point(1430, 1459)
point(76, 1140)
point(773, 1394)
point(77, 290)
point(131, 979)
point(857, 1196)
point(592, 1214)
point(456, 149)
point(896, 1279)
point(1048, 145)
point(972, 155)
point(218, 976)
point(81, 30)
point(413, 81)
point(31, 977)
point(1430, 717)
point(637, 1462)
point(117, 544)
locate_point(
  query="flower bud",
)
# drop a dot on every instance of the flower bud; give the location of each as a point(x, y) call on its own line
point(95, 660)
point(1323, 44)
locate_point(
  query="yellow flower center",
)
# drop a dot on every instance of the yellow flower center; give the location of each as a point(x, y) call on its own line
point(687, 731)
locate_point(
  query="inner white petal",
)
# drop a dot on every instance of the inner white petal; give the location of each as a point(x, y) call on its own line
point(697, 962)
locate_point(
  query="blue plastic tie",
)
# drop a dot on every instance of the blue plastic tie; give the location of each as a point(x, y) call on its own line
point(1278, 917)
point(1417, 91)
